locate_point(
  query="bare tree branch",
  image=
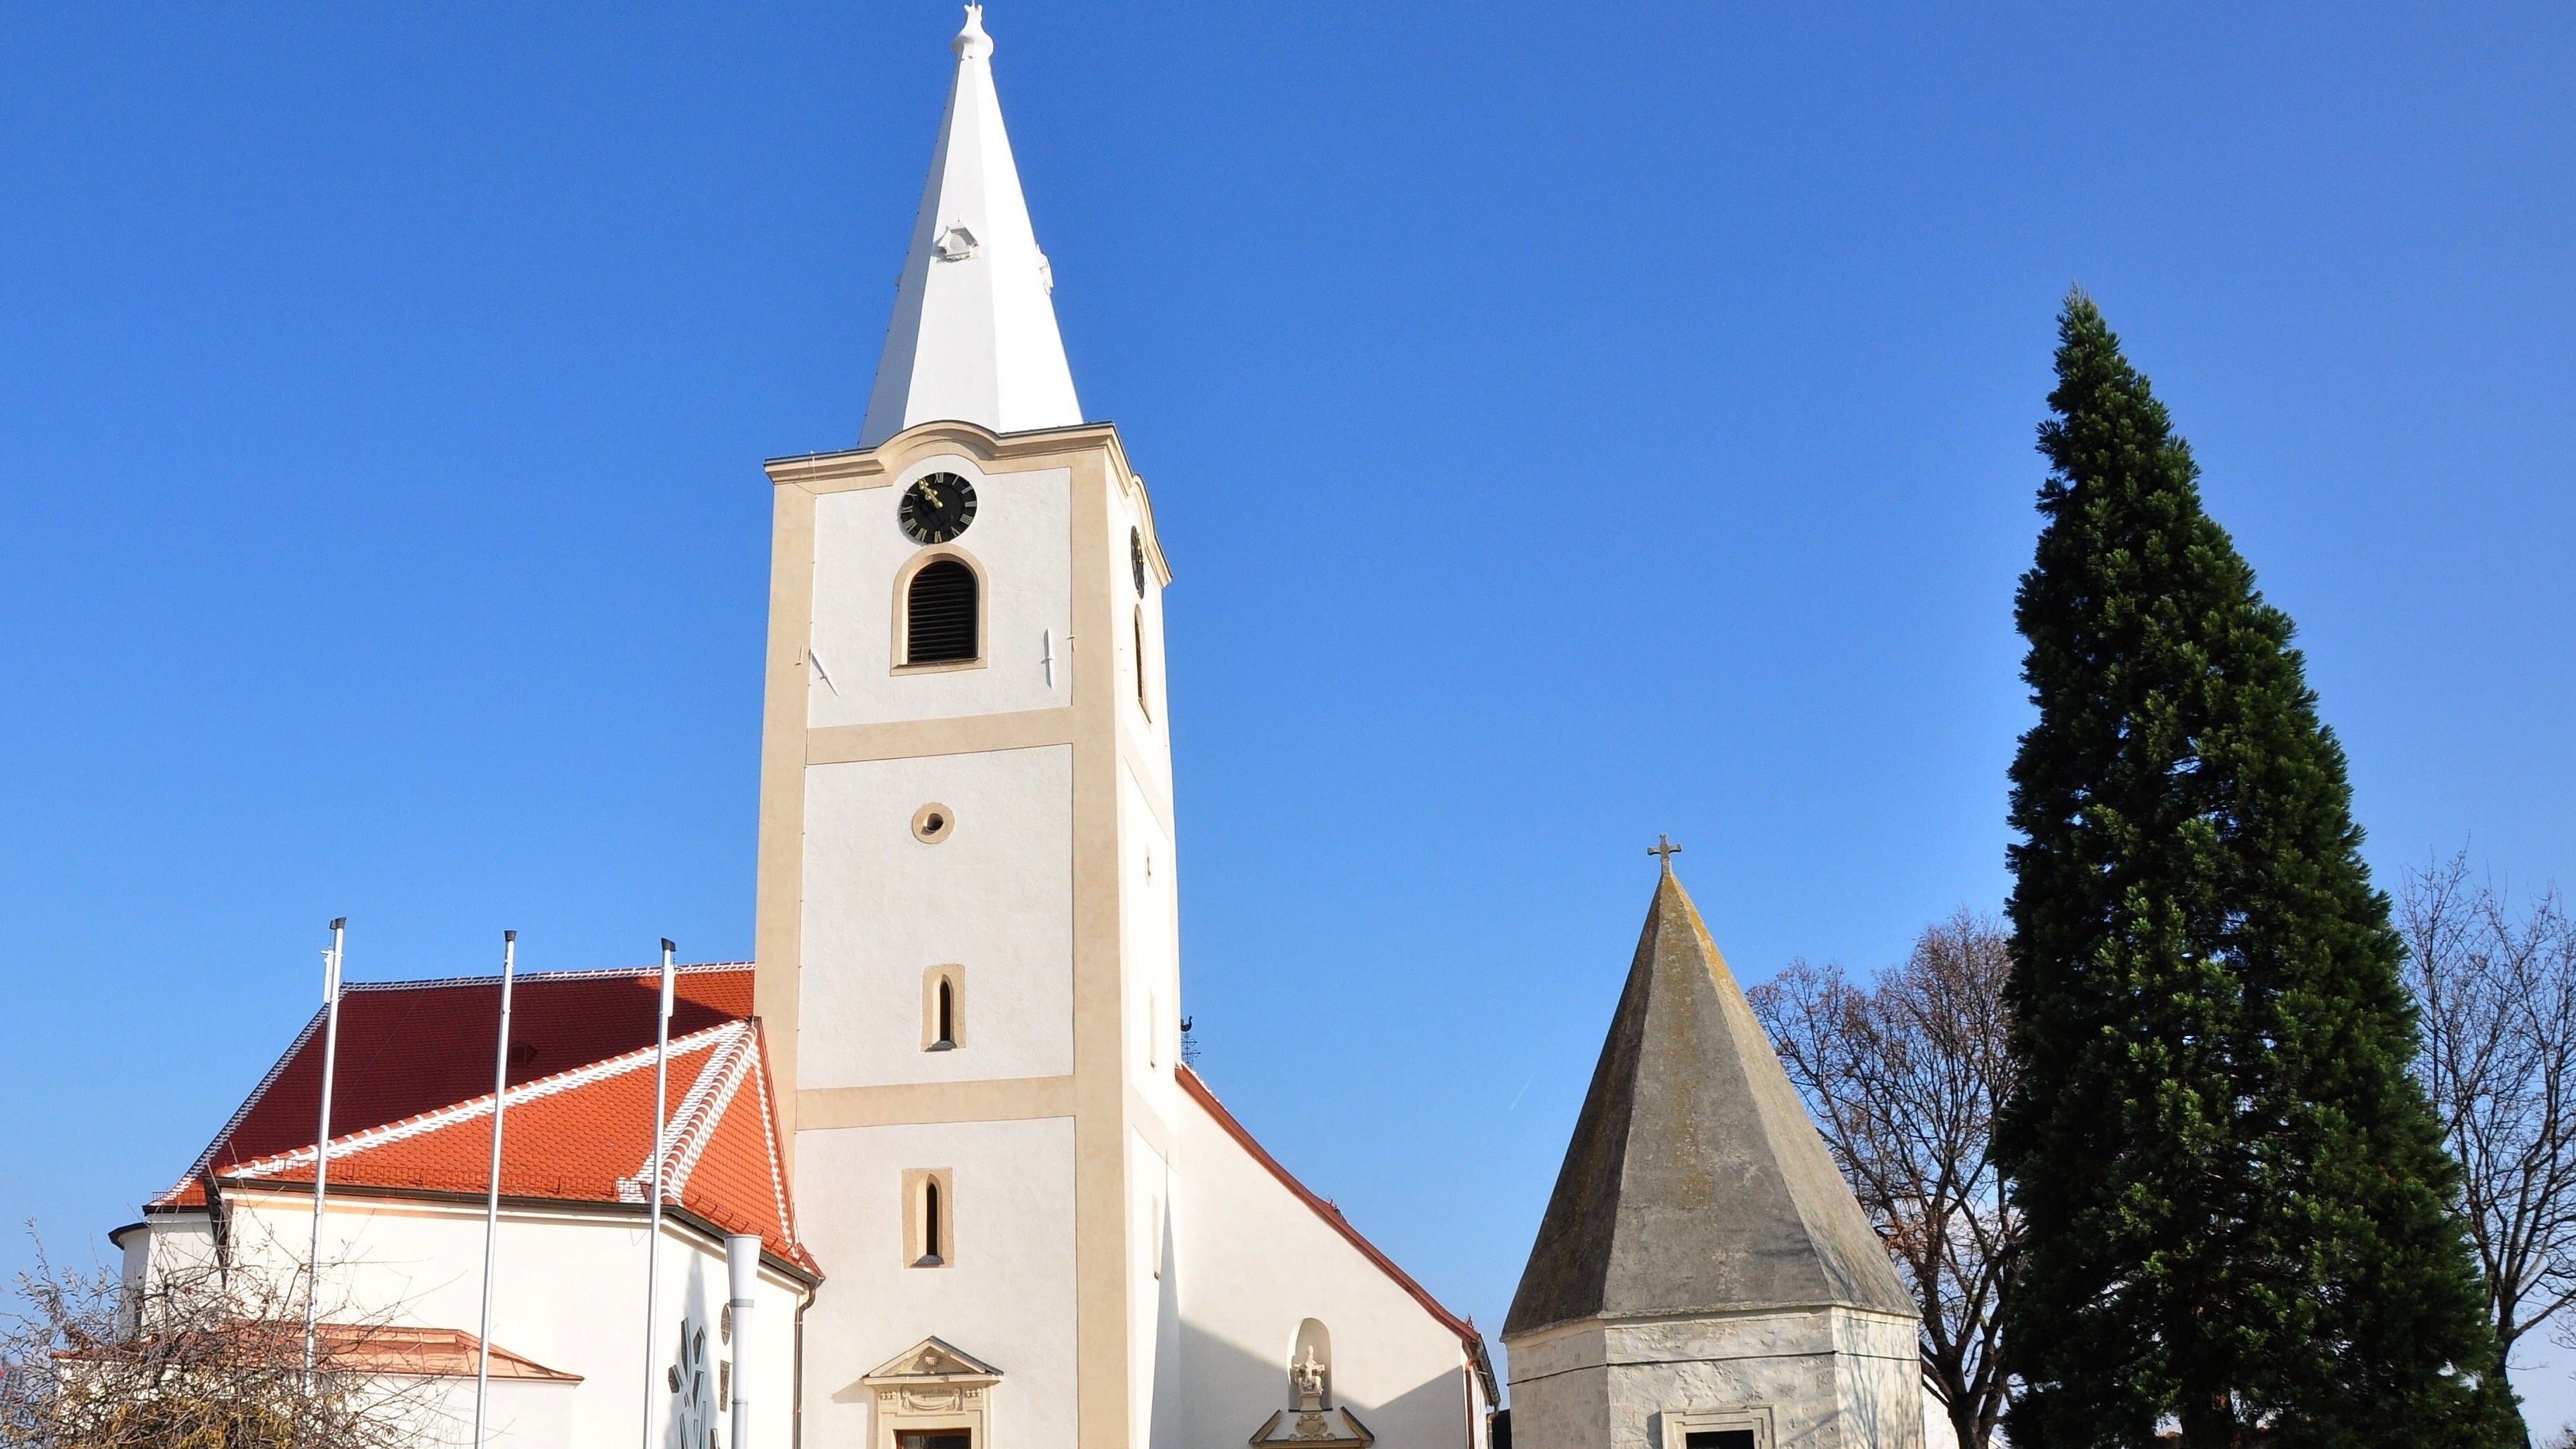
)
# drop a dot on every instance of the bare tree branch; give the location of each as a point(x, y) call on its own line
point(1904, 1076)
point(2497, 986)
point(206, 1356)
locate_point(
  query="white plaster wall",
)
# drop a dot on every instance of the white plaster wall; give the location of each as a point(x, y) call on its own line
point(570, 1296)
point(1832, 1379)
point(522, 1414)
point(177, 1243)
point(1022, 535)
point(1153, 1318)
point(881, 908)
point(1253, 1262)
point(1149, 924)
point(1006, 1296)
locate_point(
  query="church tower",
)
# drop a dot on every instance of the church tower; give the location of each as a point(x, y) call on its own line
point(967, 931)
point(1703, 1279)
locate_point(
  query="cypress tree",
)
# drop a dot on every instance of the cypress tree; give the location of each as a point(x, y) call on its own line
point(2238, 1205)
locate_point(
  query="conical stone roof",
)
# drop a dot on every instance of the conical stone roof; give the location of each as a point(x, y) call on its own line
point(1695, 1183)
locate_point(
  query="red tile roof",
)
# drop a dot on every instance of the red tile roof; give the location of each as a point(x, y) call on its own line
point(412, 1103)
point(438, 1353)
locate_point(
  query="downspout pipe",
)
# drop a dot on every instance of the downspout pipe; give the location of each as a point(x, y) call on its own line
point(742, 1275)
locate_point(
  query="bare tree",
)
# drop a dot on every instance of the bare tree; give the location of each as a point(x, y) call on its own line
point(207, 1356)
point(2497, 986)
point(1904, 1076)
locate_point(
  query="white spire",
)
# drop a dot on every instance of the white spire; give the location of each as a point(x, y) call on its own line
point(974, 335)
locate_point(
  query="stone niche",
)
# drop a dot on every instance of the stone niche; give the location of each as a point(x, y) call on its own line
point(1311, 1421)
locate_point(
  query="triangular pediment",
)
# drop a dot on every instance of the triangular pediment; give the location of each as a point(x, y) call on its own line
point(933, 1360)
point(1313, 1429)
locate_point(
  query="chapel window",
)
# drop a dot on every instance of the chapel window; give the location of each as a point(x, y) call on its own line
point(942, 624)
point(1719, 1439)
point(935, 1439)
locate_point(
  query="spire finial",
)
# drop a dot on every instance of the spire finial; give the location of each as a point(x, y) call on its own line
point(972, 43)
point(1664, 848)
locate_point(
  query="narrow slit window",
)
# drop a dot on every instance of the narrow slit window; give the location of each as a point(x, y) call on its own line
point(1141, 702)
point(941, 622)
point(929, 1217)
point(943, 1008)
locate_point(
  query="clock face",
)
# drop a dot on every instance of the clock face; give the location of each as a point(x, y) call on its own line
point(937, 508)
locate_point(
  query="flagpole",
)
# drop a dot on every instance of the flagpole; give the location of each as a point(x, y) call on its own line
point(492, 1196)
point(322, 1138)
point(653, 1232)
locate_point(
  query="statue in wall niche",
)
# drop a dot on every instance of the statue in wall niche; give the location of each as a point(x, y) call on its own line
point(1312, 1424)
point(1306, 1377)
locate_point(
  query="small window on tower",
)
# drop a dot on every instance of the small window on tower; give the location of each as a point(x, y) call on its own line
point(1140, 663)
point(929, 1218)
point(943, 1008)
point(941, 618)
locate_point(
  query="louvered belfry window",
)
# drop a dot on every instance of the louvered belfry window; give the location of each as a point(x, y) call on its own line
point(939, 614)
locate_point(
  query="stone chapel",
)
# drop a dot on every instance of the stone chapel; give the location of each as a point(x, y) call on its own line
point(1703, 1279)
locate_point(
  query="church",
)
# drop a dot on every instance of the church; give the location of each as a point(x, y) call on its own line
point(933, 1173)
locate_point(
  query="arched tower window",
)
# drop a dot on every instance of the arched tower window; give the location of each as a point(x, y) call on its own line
point(942, 614)
point(930, 1243)
point(943, 1008)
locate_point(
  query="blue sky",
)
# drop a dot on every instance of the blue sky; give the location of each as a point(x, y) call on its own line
point(1566, 423)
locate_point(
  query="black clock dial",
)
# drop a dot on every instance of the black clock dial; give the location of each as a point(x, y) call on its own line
point(937, 508)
